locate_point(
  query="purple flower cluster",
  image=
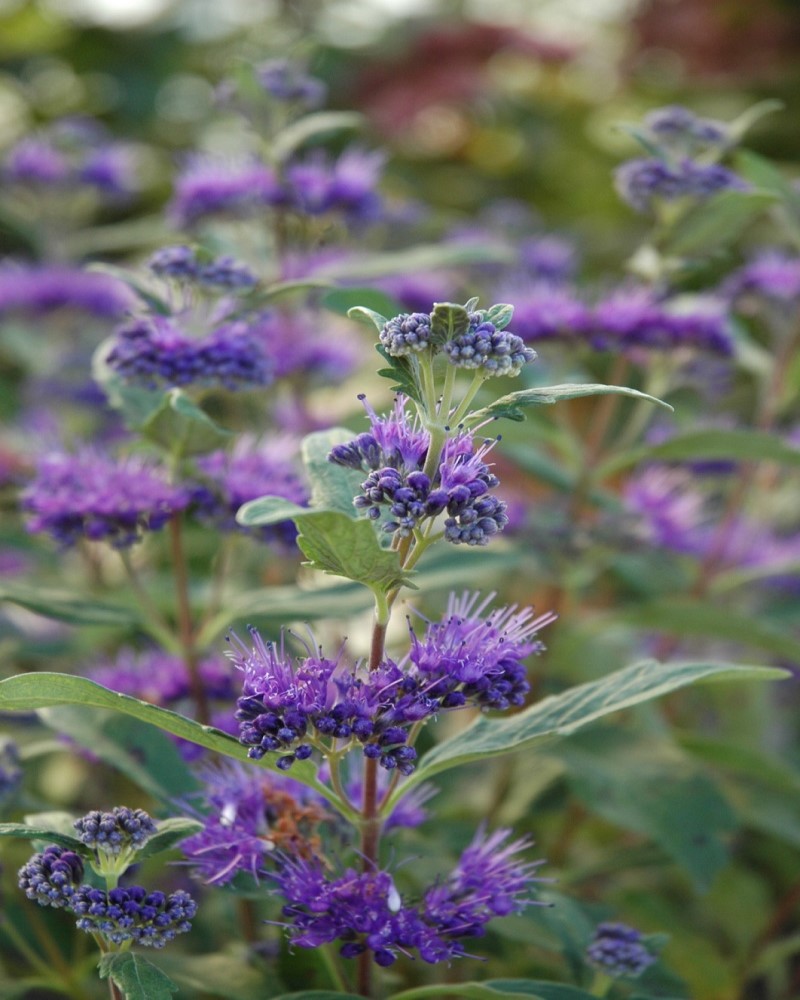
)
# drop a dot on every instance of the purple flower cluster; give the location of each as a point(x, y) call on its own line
point(182, 263)
point(52, 877)
point(117, 832)
point(209, 187)
point(91, 495)
point(288, 705)
point(366, 913)
point(250, 815)
point(318, 185)
point(252, 469)
point(133, 914)
point(393, 452)
point(772, 274)
point(643, 183)
point(483, 345)
point(287, 81)
point(47, 288)
point(295, 345)
point(617, 950)
point(161, 678)
point(153, 351)
point(676, 127)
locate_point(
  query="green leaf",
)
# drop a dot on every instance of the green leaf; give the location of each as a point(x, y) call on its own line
point(362, 314)
point(311, 128)
point(716, 222)
point(43, 833)
point(563, 714)
point(181, 428)
point(143, 754)
point(543, 990)
point(497, 990)
point(134, 403)
point(227, 974)
point(499, 315)
point(336, 544)
point(353, 302)
point(646, 785)
point(269, 510)
point(35, 691)
point(415, 259)
point(448, 320)
point(332, 486)
point(734, 445)
point(136, 977)
point(510, 406)
point(170, 832)
point(319, 995)
point(65, 606)
point(745, 121)
point(402, 371)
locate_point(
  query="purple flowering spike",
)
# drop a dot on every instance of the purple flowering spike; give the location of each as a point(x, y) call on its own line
point(617, 950)
point(249, 816)
point(91, 495)
point(209, 187)
point(252, 469)
point(41, 289)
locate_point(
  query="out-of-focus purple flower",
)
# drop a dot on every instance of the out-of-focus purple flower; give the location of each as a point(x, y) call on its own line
point(409, 811)
point(546, 310)
point(317, 185)
point(366, 913)
point(287, 81)
point(252, 469)
point(10, 769)
point(771, 274)
point(91, 495)
point(297, 345)
point(36, 161)
point(642, 183)
point(110, 170)
point(41, 289)
point(133, 914)
point(249, 814)
point(153, 351)
point(163, 679)
point(680, 129)
point(182, 263)
point(617, 950)
point(209, 187)
point(548, 258)
point(672, 510)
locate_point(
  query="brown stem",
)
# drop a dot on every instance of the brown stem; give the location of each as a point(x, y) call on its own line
point(185, 625)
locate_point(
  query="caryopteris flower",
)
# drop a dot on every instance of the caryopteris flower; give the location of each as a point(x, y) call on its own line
point(773, 275)
point(365, 912)
point(122, 831)
point(43, 289)
point(52, 877)
point(483, 346)
point(249, 816)
point(398, 491)
point(133, 914)
point(317, 185)
point(644, 182)
point(617, 950)
point(287, 81)
point(209, 187)
point(182, 263)
point(91, 495)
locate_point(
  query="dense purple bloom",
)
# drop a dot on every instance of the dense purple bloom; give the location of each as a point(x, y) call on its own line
point(771, 274)
point(52, 877)
point(316, 185)
point(548, 310)
point(36, 161)
point(287, 81)
point(397, 489)
point(617, 950)
point(548, 258)
point(252, 469)
point(109, 170)
point(470, 657)
point(133, 914)
point(249, 815)
point(118, 832)
point(91, 495)
point(46, 288)
point(672, 511)
point(296, 344)
point(163, 679)
point(642, 182)
point(176, 262)
point(365, 912)
point(208, 187)
point(153, 351)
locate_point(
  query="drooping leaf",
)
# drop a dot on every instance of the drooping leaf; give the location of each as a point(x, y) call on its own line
point(363, 314)
point(43, 833)
point(565, 713)
point(66, 606)
point(511, 406)
point(716, 222)
point(723, 445)
point(35, 691)
point(181, 428)
point(138, 978)
point(311, 128)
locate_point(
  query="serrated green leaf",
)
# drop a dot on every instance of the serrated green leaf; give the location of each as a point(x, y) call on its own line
point(332, 486)
point(448, 320)
point(181, 428)
point(402, 372)
point(734, 445)
point(336, 544)
point(136, 977)
point(65, 606)
point(716, 222)
point(311, 128)
point(510, 406)
point(170, 832)
point(43, 833)
point(563, 714)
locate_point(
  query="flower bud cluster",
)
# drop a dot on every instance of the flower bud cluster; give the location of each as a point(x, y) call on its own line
point(133, 914)
point(182, 263)
point(617, 950)
point(52, 877)
point(116, 832)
